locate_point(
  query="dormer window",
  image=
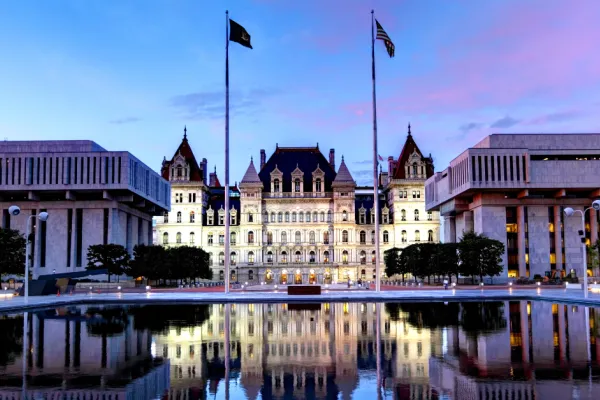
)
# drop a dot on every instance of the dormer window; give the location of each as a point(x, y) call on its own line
point(297, 185)
point(385, 215)
point(221, 217)
point(179, 172)
point(276, 187)
point(210, 216)
point(318, 186)
point(233, 217)
point(362, 216)
point(415, 169)
point(276, 180)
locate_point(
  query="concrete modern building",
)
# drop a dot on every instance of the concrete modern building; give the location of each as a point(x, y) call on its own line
point(93, 196)
point(514, 188)
point(295, 217)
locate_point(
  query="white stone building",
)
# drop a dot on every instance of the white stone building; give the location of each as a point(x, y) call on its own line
point(297, 219)
point(92, 196)
point(514, 188)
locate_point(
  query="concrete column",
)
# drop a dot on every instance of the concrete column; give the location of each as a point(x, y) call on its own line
point(37, 252)
point(521, 240)
point(593, 225)
point(557, 238)
point(573, 246)
point(524, 331)
point(73, 240)
point(469, 223)
point(539, 240)
point(491, 221)
point(449, 230)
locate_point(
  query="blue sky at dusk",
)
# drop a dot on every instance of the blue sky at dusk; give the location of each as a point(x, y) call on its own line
point(129, 74)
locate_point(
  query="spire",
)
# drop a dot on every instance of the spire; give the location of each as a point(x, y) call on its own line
point(343, 177)
point(251, 176)
point(184, 132)
point(409, 134)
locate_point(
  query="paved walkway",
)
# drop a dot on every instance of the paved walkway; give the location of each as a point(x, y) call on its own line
point(183, 297)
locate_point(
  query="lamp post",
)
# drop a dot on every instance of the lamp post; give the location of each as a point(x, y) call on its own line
point(43, 216)
point(569, 212)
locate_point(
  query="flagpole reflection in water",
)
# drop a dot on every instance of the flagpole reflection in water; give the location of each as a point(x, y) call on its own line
point(378, 349)
point(227, 348)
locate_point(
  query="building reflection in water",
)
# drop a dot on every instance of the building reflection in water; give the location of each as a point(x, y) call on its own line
point(460, 351)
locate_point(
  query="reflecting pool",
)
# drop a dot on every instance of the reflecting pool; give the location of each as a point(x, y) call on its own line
point(414, 351)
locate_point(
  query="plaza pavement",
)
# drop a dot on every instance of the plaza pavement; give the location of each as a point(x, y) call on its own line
point(189, 296)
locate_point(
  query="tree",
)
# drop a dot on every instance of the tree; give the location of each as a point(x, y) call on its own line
point(189, 263)
point(593, 252)
point(392, 261)
point(112, 257)
point(447, 259)
point(151, 262)
point(425, 260)
point(480, 255)
point(409, 261)
point(12, 252)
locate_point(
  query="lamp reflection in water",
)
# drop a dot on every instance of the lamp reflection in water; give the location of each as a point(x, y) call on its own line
point(25, 352)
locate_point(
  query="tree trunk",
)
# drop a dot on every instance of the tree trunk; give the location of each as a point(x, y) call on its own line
point(402, 278)
point(473, 279)
point(429, 280)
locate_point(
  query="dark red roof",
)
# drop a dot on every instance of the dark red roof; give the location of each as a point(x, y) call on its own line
point(196, 174)
point(410, 146)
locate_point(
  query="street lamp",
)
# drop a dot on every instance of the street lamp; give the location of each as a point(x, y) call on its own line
point(569, 212)
point(43, 216)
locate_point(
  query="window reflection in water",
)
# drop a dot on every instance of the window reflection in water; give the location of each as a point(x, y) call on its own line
point(502, 349)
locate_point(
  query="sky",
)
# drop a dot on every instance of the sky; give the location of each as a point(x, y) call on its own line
point(130, 74)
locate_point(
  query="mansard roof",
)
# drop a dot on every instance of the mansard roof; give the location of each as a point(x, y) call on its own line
point(216, 201)
point(366, 201)
point(288, 158)
point(410, 147)
point(343, 175)
point(196, 173)
point(251, 176)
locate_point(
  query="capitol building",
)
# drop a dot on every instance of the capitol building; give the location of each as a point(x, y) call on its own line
point(295, 216)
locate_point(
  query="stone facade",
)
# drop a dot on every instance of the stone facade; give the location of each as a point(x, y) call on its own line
point(92, 196)
point(514, 188)
point(295, 218)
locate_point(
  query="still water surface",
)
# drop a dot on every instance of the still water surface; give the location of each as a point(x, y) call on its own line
point(460, 351)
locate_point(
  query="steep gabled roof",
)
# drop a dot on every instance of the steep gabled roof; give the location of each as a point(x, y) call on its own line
point(343, 176)
point(288, 158)
point(196, 174)
point(410, 147)
point(251, 176)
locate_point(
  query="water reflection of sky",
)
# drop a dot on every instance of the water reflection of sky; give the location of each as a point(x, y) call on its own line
point(472, 350)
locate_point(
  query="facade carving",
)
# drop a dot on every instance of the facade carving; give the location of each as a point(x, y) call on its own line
point(297, 219)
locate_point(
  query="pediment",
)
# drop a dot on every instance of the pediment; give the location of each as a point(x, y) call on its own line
point(318, 172)
point(297, 172)
point(362, 209)
point(276, 172)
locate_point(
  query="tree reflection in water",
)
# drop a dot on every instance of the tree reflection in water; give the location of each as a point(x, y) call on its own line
point(11, 338)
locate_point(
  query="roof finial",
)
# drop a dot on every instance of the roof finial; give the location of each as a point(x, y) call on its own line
point(215, 169)
point(409, 129)
point(342, 158)
point(251, 159)
point(185, 132)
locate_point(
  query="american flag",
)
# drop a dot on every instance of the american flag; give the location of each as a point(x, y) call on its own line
point(386, 39)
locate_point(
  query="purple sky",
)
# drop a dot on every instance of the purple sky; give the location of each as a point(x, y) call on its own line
point(130, 74)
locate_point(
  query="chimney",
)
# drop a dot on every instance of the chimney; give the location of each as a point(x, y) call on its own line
point(391, 166)
point(204, 170)
point(332, 158)
point(263, 158)
point(213, 178)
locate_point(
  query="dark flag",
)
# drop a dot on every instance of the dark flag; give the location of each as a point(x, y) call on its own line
point(386, 39)
point(239, 34)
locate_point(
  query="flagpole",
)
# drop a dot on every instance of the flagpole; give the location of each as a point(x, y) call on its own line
point(227, 255)
point(375, 180)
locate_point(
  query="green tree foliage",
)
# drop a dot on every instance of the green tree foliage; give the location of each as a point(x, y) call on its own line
point(112, 257)
point(12, 252)
point(480, 255)
point(151, 262)
point(409, 260)
point(392, 261)
point(446, 258)
point(107, 321)
point(11, 337)
point(189, 262)
point(160, 263)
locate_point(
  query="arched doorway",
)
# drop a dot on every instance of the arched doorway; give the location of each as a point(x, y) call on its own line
point(312, 277)
point(297, 277)
point(327, 277)
point(284, 277)
point(269, 276)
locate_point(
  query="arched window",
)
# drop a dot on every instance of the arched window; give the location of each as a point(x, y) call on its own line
point(283, 237)
point(250, 275)
point(250, 237)
point(192, 217)
point(345, 257)
point(298, 257)
point(265, 216)
point(210, 259)
point(372, 237)
point(192, 237)
point(165, 238)
point(221, 258)
point(363, 237)
point(329, 213)
point(373, 258)
point(386, 237)
point(179, 171)
point(269, 256)
point(269, 238)
point(374, 273)
point(315, 217)
point(287, 217)
point(179, 217)
point(250, 257)
point(250, 217)
point(166, 217)
point(326, 237)
point(311, 257)
point(280, 217)
point(344, 216)
point(178, 237)
point(403, 215)
point(284, 257)
point(363, 257)
point(322, 216)
point(417, 236)
point(415, 169)
point(233, 258)
point(344, 236)
point(276, 185)
point(300, 216)
point(298, 237)
point(416, 215)
point(294, 216)
point(430, 235)
point(326, 257)
point(221, 275)
point(272, 217)
point(318, 185)
point(404, 238)
point(232, 237)
point(209, 239)
point(297, 185)
point(311, 237)
point(308, 216)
